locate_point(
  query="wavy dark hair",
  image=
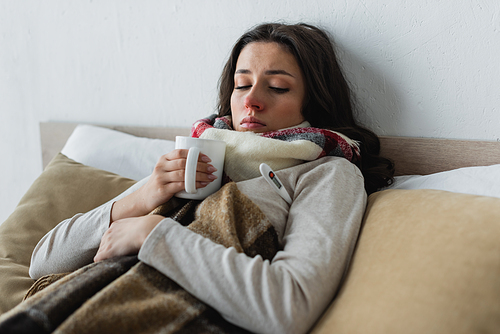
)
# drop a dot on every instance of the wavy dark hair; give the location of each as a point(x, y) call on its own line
point(328, 103)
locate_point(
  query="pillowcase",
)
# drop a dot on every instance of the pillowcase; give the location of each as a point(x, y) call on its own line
point(62, 190)
point(427, 261)
point(483, 180)
point(114, 151)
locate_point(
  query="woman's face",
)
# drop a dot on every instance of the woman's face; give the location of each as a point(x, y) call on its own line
point(269, 89)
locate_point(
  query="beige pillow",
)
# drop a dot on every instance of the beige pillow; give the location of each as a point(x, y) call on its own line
point(62, 190)
point(427, 261)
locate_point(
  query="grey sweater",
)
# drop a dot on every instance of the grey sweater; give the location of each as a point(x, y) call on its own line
point(317, 234)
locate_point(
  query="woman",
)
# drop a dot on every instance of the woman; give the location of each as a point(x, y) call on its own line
point(277, 77)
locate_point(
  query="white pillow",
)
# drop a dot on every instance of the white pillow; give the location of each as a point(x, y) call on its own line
point(115, 151)
point(483, 180)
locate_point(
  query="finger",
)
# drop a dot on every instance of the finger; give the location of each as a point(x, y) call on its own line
point(176, 154)
point(103, 248)
point(174, 187)
point(101, 255)
point(205, 168)
point(167, 164)
point(171, 161)
point(174, 171)
point(201, 167)
point(98, 257)
point(203, 173)
point(204, 158)
point(182, 154)
point(204, 177)
point(166, 178)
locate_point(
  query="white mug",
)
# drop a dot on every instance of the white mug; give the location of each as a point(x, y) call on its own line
point(215, 150)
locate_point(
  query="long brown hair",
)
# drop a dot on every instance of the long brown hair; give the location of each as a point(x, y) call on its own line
point(328, 103)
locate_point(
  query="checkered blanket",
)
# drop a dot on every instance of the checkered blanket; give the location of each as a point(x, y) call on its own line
point(124, 295)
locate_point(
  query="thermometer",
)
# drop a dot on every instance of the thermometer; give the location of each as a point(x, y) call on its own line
point(275, 183)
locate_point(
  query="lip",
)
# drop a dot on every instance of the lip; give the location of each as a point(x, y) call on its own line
point(252, 124)
point(251, 119)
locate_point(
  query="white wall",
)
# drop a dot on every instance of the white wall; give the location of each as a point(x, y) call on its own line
point(420, 68)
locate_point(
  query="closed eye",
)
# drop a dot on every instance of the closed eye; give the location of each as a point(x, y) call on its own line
point(242, 87)
point(280, 90)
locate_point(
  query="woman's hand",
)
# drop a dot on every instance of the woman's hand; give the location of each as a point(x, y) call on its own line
point(166, 180)
point(126, 236)
point(168, 177)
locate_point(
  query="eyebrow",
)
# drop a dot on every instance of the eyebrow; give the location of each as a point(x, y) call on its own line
point(269, 72)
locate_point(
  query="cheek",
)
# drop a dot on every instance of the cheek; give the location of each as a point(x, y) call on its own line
point(234, 107)
point(294, 111)
point(232, 100)
point(233, 103)
point(292, 105)
point(236, 103)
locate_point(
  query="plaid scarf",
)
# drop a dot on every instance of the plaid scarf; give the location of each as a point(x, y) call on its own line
point(279, 149)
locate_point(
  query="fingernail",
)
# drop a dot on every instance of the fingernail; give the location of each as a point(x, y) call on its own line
point(203, 184)
point(205, 158)
point(211, 176)
point(211, 169)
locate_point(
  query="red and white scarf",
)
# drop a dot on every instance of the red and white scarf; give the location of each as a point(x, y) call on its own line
point(280, 149)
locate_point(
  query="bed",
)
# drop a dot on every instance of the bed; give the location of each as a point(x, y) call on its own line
point(427, 259)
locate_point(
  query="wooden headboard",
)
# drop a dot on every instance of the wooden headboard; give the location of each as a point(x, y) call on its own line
point(421, 156)
point(411, 155)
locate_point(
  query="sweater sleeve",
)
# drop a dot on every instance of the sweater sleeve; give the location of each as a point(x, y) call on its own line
point(74, 242)
point(288, 294)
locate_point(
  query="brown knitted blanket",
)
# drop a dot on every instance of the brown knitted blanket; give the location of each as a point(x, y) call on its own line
point(124, 295)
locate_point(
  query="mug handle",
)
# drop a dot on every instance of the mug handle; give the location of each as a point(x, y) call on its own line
point(190, 173)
